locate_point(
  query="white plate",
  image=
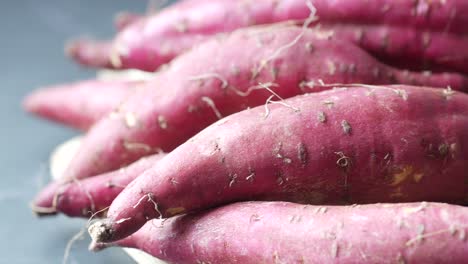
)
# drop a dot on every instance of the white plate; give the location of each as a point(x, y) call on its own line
point(59, 160)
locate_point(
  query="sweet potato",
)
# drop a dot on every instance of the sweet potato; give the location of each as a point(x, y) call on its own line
point(408, 48)
point(221, 77)
point(86, 197)
point(79, 104)
point(293, 233)
point(360, 145)
point(155, 40)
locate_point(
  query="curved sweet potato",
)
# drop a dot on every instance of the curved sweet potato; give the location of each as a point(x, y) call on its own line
point(221, 77)
point(359, 145)
point(292, 233)
point(79, 104)
point(86, 197)
point(155, 40)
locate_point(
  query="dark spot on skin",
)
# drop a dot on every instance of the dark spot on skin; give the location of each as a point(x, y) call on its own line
point(322, 118)
point(302, 154)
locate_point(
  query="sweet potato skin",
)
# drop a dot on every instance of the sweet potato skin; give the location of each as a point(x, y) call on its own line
point(79, 104)
point(344, 146)
point(200, 87)
point(293, 233)
point(406, 47)
point(155, 40)
point(86, 197)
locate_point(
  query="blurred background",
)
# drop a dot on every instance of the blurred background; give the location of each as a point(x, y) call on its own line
point(32, 37)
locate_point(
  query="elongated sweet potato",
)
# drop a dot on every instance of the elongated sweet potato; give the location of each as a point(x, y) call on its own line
point(79, 104)
point(221, 77)
point(292, 233)
point(84, 198)
point(155, 40)
point(360, 145)
point(408, 48)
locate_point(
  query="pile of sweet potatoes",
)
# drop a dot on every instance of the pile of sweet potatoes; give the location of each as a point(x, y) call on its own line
point(273, 131)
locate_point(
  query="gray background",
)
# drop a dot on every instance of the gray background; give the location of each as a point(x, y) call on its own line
point(32, 34)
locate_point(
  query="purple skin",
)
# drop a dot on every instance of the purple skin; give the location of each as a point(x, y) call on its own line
point(281, 232)
point(408, 48)
point(155, 40)
point(344, 146)
point(79, 104)
point(199, 87)
point(86, 197)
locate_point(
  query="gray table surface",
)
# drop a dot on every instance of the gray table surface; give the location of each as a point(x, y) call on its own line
point(32, 34)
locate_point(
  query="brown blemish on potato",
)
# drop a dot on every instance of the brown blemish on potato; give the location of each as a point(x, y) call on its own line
point(402, 176)
point(309, 47)
point(302, 153)
point(175, 210)
point(346, 127)
point(321, 117)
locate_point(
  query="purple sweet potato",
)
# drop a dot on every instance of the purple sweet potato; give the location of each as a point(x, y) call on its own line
point(222, 77)
point(150, 42)
point(91, 52)
point(293, 233)
point(343, 146)
point(86, 197)
point(408, 48)
point(79, 104)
